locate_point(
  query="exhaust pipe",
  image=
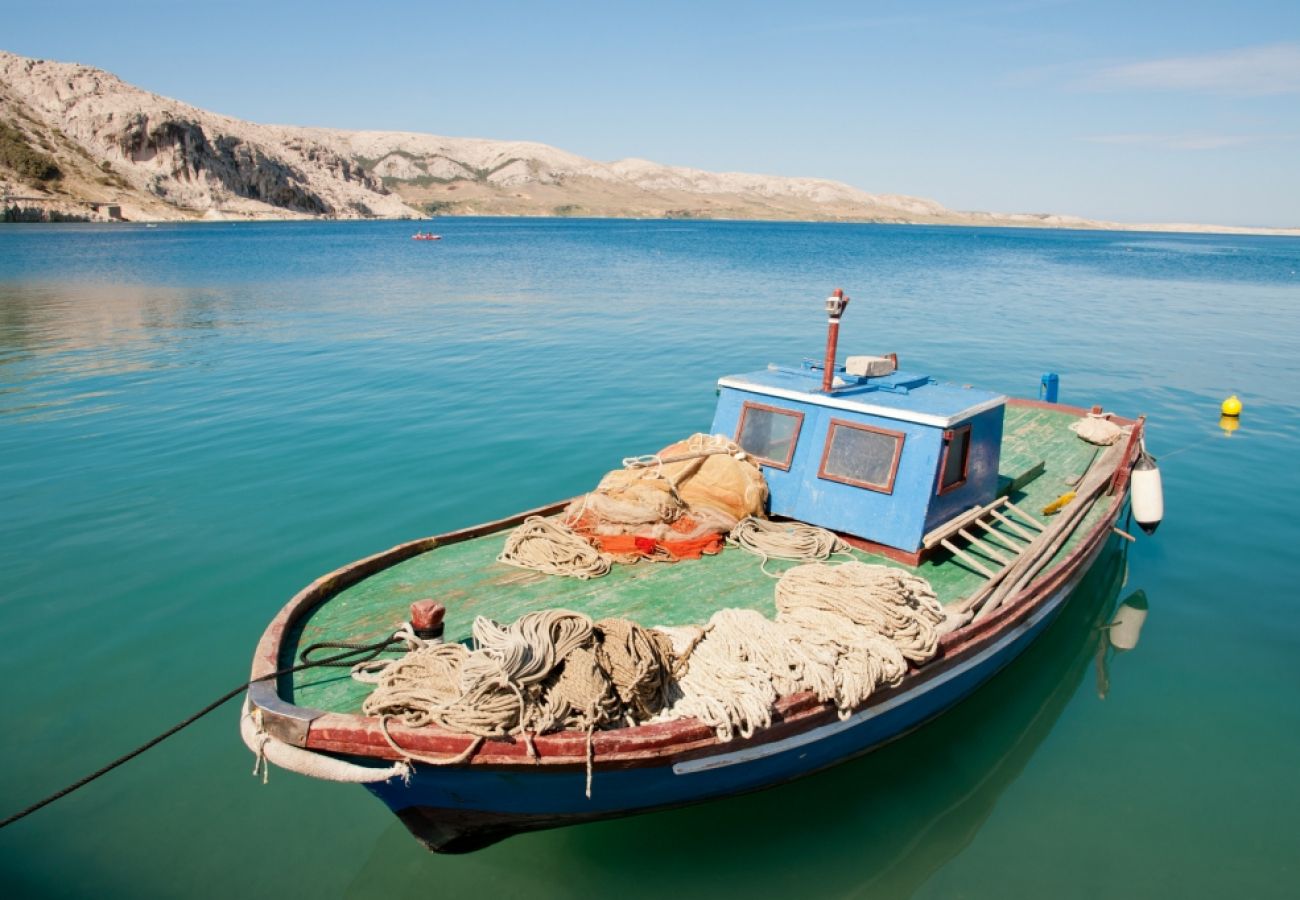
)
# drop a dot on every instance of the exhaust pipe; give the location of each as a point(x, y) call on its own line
point(836, 303)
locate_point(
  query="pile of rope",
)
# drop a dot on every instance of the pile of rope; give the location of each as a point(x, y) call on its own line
point(679, 503)
point(784, 540)
point(547, 671)
point(839, 632)
point(546, 545)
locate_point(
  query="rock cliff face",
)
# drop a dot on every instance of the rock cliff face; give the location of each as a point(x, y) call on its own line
point(77, 141)
point(159, 158)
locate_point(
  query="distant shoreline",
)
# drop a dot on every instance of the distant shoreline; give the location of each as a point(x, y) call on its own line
point(1087, 226)
point(1158, 228)
point(95, 147)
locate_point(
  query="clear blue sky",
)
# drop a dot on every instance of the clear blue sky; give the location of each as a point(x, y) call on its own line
point(1133, 111)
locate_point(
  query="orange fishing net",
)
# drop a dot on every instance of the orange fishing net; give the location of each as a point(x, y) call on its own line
point(678, 504)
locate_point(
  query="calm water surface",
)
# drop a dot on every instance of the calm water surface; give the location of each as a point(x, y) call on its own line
point(197, 420)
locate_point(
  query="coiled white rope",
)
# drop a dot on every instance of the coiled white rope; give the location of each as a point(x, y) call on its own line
point(546, 545)
point(784, 540)
point(840, 632)
point(891, 602)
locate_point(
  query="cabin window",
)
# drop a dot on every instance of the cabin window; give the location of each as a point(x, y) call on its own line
point(956, 458)
point(861, 455)
point(769, 434)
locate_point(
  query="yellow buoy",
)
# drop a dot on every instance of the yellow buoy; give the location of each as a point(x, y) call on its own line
point(1231, 406)
point(1229, 424)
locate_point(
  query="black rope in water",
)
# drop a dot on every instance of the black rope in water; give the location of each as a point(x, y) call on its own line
point(350, 656)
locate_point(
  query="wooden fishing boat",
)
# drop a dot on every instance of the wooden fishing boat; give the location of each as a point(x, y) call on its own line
point(940, 481)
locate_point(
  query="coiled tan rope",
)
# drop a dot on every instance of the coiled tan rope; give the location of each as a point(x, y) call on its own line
point(731, 694)
point(855, 660)
point(529, 649)
point(840, 632)
point(552, 547)
point(547, 671)
point(640, 665)
point(784, 540)
point(895, 604)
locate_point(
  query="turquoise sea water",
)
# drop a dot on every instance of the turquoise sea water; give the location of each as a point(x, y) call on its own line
point(195, 421)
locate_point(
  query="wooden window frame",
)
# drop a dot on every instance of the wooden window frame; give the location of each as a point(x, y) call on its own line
point(948, 437)
point(794, 439)
point(900, 438)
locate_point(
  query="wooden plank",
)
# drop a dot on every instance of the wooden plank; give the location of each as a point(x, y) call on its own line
point(1001, 538)
point(1054, 538)
point(965, 557)
point(1026, 516)
point(984, 548)
point(1021, 477)
point(1024, 533)
point(955, 524)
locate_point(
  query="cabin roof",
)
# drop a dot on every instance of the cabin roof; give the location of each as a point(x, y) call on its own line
point(905, 396)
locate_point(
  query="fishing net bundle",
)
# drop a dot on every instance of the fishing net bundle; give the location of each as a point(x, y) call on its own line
point(679, 503)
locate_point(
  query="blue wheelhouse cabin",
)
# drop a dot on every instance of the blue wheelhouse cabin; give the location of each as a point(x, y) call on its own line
point(885, 456)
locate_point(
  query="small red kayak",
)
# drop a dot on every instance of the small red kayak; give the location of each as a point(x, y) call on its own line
point(425, 236)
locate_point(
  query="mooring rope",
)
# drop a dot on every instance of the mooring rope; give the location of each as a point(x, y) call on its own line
point(366, 651)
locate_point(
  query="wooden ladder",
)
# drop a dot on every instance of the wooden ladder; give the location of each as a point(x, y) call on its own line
point(1012, 539)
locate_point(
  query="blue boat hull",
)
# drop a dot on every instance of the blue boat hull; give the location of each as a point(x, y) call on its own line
point(462, 808)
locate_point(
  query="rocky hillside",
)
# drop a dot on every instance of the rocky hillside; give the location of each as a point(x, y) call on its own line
point(77, 141)
point(159, 158)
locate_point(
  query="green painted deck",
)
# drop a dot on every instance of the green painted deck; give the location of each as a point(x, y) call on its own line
point(467, 578)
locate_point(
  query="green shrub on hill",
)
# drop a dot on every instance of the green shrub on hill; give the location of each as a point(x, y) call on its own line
point(28, 163)
point(16, 213)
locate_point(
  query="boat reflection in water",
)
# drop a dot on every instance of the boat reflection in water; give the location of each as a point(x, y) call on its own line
point(878, 826)
point(1121, 636)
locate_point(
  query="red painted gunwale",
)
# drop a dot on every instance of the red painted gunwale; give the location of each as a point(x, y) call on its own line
point(645, 745)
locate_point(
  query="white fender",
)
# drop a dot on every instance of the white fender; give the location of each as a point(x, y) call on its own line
point(1148, 497)
point(306, 762)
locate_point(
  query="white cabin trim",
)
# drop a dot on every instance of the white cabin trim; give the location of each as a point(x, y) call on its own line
point(870, 409)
